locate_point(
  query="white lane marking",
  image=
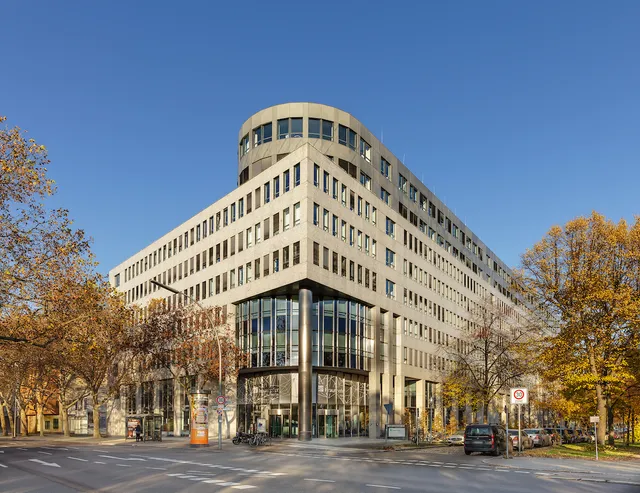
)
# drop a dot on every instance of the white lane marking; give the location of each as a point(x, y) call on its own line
point(451, 467)
point(121, 458)
point(197, 479)
point(123, 465)
point(243, 487)
point(1, 451)
point(74, 448)
point(320, 480)
point(101, 451)
point(2, 465)
point(213, 481)
point(75, 458)
point(383, 486)
point(202, 472)
point(50, 464)
point(98, 462)
point(45, 453)
point(522, 472)
point(541, 473)
point(154, 468)
point(20, 448)
point(54, 448)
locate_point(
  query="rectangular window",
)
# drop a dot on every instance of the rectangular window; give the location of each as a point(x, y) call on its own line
point(233, 218)
point(365, 150)
point(325, 182)
point(276, 187)
point(256, 267)
point(390, 289)
point(316, 253)
point(276, 223)
point(316, 214)
point(296, 174)
point(391, 228)
point(384, 196)
point(286, 177)
point(265, 264)
point(325, 258)
point(385, 168)
point(267, 192)
point(249, 197)
point(365, 180)
point(276, 261)
point(296, 214)
point(283, 129)
point(266, 229)
point(327, 130)
point(285, 257)
point(325, 219)
point(314, 128)
point(286, 218)
point(240, 208)
point(296, 127)
point(391, 258)
point(258, 232)
point(296, 253)
point(316, 175)
point(413, 193)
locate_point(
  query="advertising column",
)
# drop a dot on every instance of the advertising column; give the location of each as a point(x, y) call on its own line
point(200, 419)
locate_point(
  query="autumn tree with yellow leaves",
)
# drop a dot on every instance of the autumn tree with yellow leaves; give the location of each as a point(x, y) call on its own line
point(586, 276)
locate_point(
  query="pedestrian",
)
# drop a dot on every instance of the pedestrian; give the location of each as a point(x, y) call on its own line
point(138, 433)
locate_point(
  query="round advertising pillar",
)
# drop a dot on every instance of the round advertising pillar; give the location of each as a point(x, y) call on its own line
point(200, 418)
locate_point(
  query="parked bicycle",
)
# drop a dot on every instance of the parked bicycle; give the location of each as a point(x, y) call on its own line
point(242, 438)
point(260, 439)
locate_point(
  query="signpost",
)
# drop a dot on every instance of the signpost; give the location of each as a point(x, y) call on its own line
point(389, 409)
point(506, 411)
point(595, 420)
point(519, 396)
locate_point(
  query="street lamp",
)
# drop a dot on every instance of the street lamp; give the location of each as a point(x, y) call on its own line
point(190, 298)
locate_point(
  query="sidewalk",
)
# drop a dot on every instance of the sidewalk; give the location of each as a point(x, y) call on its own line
point(89, 440)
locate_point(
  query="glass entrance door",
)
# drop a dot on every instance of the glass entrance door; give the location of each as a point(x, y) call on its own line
point(327, 426)
point(275, 426)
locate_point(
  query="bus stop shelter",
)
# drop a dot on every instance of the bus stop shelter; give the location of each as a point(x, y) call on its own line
point(151, 425)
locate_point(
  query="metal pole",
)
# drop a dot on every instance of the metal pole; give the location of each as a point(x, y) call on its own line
point(213, 326)
point(506, 410)
point(15, 416)
point(595, 429)
point(519, 432)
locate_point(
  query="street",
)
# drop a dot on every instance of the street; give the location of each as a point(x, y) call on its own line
point(288, 466)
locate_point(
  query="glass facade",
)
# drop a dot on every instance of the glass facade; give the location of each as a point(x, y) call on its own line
point(340, 404)
point(267, 330)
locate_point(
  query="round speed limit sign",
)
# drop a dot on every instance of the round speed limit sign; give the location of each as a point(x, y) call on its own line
point(519, 396)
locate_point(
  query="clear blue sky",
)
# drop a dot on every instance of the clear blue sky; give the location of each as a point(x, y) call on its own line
point(519, 115)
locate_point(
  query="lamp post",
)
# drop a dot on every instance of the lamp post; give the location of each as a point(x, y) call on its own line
point(190, 298)
point(430, 417)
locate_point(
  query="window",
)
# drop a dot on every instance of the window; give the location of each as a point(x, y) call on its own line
point(276, 261)
point(390, 228)
point(267, 192)
point(233, 219)
point(390, 289)
point(391, 258)
point(286, 177)
point(325, 219)
point(327, 130)
point(347, 137)
point(413, 193)
point(316, 253)
point(296, 127)
point(296, 174)
point(316, 175)
point(314, 128)
point(325, 182)
point(384, 196)
point(285, 258)
point(283, 129)
point(116, 280)
point(276, 223)
point(258, 233)
point(365, 180)
point(402, 184)
point(365, 150)
point(262, 134)
point(325, 258)
point(385, 168)
point(240, 211)
point(316, 214)
point(276, 187)
point(286, 219)
point(244, 145)
point(296, 213)
point(334, 225)
point(296, 253)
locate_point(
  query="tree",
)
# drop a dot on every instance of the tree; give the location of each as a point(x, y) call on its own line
point(101, 350)
point(39, 248)
point(491, 356)
point(183, 339)
point(586, 276)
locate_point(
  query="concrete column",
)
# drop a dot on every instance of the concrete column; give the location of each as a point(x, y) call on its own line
point(305, 298)
point(420, 399)
point(374, 377)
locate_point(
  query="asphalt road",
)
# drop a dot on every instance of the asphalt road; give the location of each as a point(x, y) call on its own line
point(287, 467)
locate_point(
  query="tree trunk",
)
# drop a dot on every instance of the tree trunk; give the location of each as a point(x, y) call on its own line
point(10, 417)
point(3, 422)
point(40, 418)
point(64, 418)
point(633, 426)
point(485, 412)
point(628, 426)
point(24, 424)
point(609, 409)
point(96, 417)
point(602, 413)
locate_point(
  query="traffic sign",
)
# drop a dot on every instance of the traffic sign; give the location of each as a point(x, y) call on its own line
point(220, 411)
point(594, 419)
point(221, 400)
point(388, 408)
point(520, 396)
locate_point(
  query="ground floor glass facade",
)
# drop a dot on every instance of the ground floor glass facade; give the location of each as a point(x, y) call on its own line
point(340, 404)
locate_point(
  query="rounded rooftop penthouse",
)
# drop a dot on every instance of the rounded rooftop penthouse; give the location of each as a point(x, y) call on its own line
point(274, 132)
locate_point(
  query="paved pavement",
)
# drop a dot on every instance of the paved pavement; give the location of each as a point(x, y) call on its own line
point(31, 466)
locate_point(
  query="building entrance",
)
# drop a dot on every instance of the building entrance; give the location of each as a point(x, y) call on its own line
point(280, 423)
point(327, 423)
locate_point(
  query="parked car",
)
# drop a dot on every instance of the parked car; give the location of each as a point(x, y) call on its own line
point(540, 437)
point(527, 442)
point(456, 439)
point(567, 435)
point(554, 433)
point(486, 438)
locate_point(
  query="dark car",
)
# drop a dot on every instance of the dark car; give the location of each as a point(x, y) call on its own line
point(555, 435)
point(486, 438)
